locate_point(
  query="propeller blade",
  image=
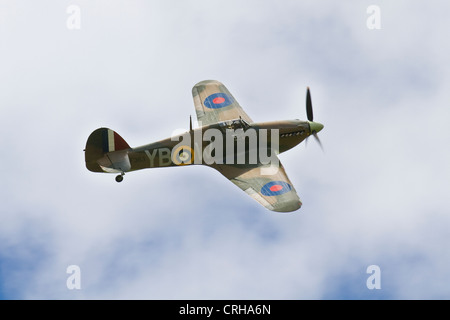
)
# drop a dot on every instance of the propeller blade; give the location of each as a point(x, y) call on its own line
point(316, 136)
point(309, 111)
point(314, 126)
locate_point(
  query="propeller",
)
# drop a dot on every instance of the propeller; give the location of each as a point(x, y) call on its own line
point(309, 111)
point(314, 126)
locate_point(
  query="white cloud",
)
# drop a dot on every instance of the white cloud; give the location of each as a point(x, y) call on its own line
point(377, 195)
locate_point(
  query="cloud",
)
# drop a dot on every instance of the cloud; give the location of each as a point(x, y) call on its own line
point(377, 195)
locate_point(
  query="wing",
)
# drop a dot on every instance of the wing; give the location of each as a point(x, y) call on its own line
point(270, 186)
point(214, 103)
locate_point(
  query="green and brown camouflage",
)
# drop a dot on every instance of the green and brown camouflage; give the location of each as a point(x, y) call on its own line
point(227, 140)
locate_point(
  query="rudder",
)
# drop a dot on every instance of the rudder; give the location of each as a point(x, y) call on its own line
point(100, 142)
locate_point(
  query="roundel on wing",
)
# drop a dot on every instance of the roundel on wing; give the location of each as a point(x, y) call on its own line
point(275, 188)
point(218, 100)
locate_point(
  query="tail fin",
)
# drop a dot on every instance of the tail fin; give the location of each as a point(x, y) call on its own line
point(100, 142)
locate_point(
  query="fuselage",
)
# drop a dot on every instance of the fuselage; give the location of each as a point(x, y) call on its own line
point(233, 142)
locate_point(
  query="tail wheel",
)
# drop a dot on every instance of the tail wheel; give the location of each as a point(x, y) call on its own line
point(119, 178)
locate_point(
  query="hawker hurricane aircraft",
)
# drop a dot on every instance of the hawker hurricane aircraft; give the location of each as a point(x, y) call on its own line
point(245, 152)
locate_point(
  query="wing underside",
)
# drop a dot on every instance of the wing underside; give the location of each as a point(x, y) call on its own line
point(270, 186)
point(214, 103)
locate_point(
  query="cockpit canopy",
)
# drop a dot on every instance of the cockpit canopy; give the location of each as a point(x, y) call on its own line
point(234, 124)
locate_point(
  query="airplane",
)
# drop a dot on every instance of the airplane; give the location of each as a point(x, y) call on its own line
point(242, 158)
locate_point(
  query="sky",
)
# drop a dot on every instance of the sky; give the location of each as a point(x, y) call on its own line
point(376, 196)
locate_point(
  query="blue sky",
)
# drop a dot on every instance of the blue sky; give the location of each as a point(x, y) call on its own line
point(376, 196)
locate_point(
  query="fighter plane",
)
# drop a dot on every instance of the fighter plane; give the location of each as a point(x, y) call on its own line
point(227, 140)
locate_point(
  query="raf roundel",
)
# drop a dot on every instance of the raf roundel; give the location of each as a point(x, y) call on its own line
point(218, 100)
point(275, 188)
point(183, 155)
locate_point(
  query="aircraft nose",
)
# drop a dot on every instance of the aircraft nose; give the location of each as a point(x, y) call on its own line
point(315, 126)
